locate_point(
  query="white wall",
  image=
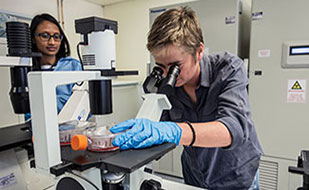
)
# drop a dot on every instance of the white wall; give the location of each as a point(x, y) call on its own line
point(30, 7)
point(72, 9)
point(133, 23)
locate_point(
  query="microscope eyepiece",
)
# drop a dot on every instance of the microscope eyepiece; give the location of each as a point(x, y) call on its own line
point(157, 72)
point(155, 83)
point(172, 75)
point(152, 81)
point(168, 83)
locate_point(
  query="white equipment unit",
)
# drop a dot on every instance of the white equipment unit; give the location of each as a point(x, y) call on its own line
point(93, 58)
point(11, 177)
point(278, 81)
point(219, 21)
point(99, 43)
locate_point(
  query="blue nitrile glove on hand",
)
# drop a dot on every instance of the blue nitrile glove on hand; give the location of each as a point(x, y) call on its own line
point(144, 133)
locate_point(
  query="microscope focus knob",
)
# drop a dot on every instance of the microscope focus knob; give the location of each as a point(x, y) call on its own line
point(69, 183)
point(151, 185)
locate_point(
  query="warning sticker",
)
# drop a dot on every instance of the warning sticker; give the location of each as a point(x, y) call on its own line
point(296, 86)
point(296, 91)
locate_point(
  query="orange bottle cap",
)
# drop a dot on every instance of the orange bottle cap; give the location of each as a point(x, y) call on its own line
point(79, 142)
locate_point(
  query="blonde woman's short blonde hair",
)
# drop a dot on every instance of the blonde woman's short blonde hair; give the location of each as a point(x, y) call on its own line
point(179, 26)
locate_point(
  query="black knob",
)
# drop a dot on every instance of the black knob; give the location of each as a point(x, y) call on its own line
point(151, 185)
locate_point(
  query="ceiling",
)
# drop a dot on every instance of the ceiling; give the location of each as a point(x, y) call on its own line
point(106, 2)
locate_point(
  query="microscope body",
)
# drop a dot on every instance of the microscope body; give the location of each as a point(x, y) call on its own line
point(20, 62)
point(99, 63)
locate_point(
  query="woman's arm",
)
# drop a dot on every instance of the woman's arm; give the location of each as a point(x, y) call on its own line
point(208, 134)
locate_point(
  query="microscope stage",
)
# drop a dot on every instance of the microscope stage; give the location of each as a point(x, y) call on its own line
point(125, 161)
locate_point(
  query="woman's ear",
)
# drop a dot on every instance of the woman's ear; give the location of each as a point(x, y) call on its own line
point(200, 52)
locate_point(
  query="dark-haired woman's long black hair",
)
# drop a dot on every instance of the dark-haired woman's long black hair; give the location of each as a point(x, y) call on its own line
point(64, 49)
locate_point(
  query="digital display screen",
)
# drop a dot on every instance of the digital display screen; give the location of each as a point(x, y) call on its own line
point(299, 50)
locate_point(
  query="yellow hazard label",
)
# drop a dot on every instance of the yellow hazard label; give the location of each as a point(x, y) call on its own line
point(296, 86)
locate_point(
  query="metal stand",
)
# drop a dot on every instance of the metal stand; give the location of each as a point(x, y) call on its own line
point(302, 168)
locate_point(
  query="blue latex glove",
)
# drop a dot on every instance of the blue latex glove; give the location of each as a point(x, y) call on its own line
point(144, 133)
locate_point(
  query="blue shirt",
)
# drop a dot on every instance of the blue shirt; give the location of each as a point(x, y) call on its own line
point(221, 96)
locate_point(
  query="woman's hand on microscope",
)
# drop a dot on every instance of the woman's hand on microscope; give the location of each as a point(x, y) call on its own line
point(141, 133)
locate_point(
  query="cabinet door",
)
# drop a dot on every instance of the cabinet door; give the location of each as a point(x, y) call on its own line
point(282, 127)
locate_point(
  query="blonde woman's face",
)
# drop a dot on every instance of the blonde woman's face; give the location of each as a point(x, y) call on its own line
point(170, 55)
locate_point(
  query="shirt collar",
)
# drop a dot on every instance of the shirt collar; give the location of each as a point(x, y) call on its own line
point(205, 74)
point(47, 67)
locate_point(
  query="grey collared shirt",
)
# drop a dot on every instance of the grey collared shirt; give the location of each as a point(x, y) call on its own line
point(221, 96)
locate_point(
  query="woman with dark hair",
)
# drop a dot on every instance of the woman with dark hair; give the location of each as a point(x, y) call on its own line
point(52, 46)
point(49, 39)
